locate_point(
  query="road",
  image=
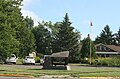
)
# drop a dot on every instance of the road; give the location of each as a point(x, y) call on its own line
point(23, 66)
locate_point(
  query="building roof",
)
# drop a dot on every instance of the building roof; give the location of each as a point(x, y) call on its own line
point(112, 47)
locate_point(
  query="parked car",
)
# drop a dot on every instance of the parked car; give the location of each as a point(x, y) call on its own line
point(29, 60)
point(11, 59)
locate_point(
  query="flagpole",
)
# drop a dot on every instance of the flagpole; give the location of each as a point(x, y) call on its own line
point(90, 41)
point(90, 47)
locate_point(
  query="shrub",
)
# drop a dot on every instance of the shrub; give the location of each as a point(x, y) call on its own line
point(110, 61)
point(37, 59)
point(19, 61)
point(85, 60)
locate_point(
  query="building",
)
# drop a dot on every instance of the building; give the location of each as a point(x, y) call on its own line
point(107, 50)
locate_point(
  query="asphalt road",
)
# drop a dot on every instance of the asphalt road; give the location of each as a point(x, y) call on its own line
point(23, 66)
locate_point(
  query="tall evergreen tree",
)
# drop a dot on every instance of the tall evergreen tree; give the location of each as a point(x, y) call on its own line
point(117, 37)
point(85, 50)
point(67, 40)
point(105, 37)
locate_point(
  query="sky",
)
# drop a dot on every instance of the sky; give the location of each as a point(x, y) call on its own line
point(80, 12)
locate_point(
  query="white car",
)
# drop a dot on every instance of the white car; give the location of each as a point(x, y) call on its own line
point(11, 59)
point(29, 60)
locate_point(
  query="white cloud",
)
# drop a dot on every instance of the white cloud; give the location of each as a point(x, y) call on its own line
point(25, 12)
point(31, 14)
point(27, 2)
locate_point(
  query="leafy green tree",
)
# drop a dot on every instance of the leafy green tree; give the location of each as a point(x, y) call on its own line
point(29, 22)
point(67, 40)
point(26, 37)
point(43, 38)
point(105, 37)
point(27, 41)
point(23, 33)
point(8, 42)
point(85, 50)
point(15, 36)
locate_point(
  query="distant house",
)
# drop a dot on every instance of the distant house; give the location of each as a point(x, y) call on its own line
point(107, 50)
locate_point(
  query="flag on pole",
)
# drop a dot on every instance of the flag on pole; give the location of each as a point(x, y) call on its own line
point(91, 23)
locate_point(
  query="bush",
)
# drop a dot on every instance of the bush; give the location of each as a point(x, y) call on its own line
point(37, 59)
point(110, 61)
point(19, 61)
point(85, 60)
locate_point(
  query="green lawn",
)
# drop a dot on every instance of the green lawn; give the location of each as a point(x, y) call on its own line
point(74, 72)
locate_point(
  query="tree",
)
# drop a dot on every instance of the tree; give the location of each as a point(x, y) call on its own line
point(67, 40)
point(27, 41)
point(29, 22)
point(85, 50)
point(43, 39)
point(26, 37)
point(75, 47)
point(15, 36)
point(117, 37)
point(23, 34)
point(8, 42)
point(105, 37)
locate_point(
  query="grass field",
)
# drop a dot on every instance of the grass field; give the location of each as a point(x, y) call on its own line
point(76, 71)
